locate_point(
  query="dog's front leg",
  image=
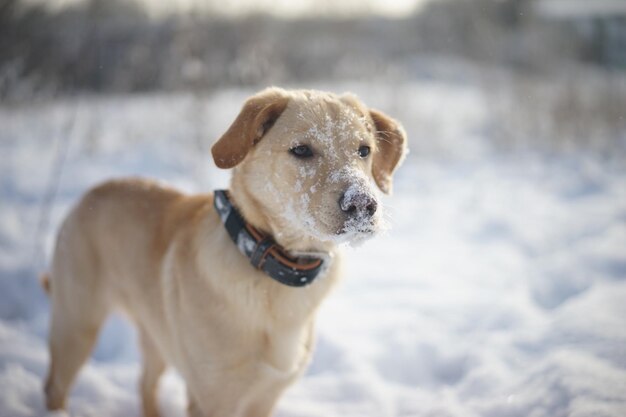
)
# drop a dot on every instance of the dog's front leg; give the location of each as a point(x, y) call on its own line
point(192, 407)
point(153, 368)
point(247, 396)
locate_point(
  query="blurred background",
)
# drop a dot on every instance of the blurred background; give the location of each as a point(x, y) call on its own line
point(509, 215)
point(551, 71)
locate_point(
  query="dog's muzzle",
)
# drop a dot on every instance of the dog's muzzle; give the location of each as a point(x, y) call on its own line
point(358, 204)
point(359, 208)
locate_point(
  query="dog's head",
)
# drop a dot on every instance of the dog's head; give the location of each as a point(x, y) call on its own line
point(308, 164)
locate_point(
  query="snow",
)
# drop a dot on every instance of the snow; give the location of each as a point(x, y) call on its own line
point(498, 291)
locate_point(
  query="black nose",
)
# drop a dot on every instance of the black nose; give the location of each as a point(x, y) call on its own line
point(358, 204)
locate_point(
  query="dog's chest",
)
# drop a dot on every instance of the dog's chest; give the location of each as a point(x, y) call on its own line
point(286, 351)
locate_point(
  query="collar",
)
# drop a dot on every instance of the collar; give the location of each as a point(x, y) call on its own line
point(262, 251)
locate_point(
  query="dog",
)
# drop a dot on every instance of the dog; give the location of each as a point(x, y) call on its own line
point(225, 286)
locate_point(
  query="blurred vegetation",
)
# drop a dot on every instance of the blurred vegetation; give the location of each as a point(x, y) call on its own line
point(542, 78)
point(113, 45)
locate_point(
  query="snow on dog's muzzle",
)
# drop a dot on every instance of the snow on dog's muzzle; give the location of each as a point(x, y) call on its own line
point(359, 206)
point(358, 203)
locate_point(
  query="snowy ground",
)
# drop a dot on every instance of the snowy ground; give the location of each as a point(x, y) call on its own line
point(500, 291)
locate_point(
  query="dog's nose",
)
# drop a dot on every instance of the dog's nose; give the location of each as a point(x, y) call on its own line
point(358, 204)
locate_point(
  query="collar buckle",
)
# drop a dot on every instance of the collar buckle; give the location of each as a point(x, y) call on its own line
point(262, 249)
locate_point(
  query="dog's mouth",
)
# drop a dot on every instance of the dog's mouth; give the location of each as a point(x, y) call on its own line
point(341, 228)
point(360, 230)
point(356, 230)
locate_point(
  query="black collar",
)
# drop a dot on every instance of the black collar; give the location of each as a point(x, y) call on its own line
point(265, 254)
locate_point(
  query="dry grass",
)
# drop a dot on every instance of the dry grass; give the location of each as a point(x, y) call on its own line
point(570, 109)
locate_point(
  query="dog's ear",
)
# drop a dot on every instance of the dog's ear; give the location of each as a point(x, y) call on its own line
point(391, 148)
point(254, 120)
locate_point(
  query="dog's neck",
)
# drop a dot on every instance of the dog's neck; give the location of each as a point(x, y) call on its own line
point(253, 212)
point(263, 251)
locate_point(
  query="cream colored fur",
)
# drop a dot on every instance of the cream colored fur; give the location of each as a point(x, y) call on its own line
point(237, 337)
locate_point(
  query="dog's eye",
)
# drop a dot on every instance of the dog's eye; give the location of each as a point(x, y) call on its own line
point(301, 151)
point(364, 151)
